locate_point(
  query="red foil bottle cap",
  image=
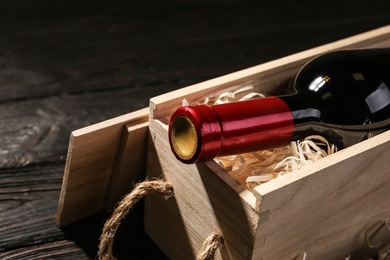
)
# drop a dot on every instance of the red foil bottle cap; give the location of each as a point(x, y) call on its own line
point(200, 133)
point(195, 133)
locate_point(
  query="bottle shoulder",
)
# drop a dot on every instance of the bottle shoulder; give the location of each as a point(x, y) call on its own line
point(351, 67)
point(348, 87)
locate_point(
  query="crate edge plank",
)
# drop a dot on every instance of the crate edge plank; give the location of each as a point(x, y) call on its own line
point(130, 163)
point(333, 185)
point(90, 162)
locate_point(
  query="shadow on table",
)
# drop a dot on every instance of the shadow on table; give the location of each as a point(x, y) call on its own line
point(130, 240)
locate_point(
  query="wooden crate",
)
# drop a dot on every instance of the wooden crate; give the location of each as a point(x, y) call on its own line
point(319, 212)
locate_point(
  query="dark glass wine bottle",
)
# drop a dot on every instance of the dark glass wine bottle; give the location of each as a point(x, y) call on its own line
point(342, 95)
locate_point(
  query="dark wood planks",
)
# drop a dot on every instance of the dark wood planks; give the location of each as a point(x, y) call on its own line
point(68, 64)
point(38, 129)
point(45, 52)
point(28, 204)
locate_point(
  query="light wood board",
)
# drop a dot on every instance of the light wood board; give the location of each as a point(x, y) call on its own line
point(325, 209)
point(91, 159)
point(202, 203)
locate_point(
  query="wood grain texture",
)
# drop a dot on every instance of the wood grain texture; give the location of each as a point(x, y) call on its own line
point(202, 203)
point(66, 50)
point(130, 162)
point(65, 65)
point(27, 195)
point(92, 154)
point(325, 209)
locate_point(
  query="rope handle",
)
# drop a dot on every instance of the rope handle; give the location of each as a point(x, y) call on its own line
point(123, 208)
point(209, 247)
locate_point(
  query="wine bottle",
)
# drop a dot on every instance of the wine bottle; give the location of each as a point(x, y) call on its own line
point(342, 95)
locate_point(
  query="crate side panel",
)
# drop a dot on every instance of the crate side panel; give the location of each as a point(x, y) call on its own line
point(325, 210)
point(130, 163)
point(202, 203)
point(89, 165)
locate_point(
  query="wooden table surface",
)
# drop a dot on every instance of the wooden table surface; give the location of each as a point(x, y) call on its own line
point(68, 64)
